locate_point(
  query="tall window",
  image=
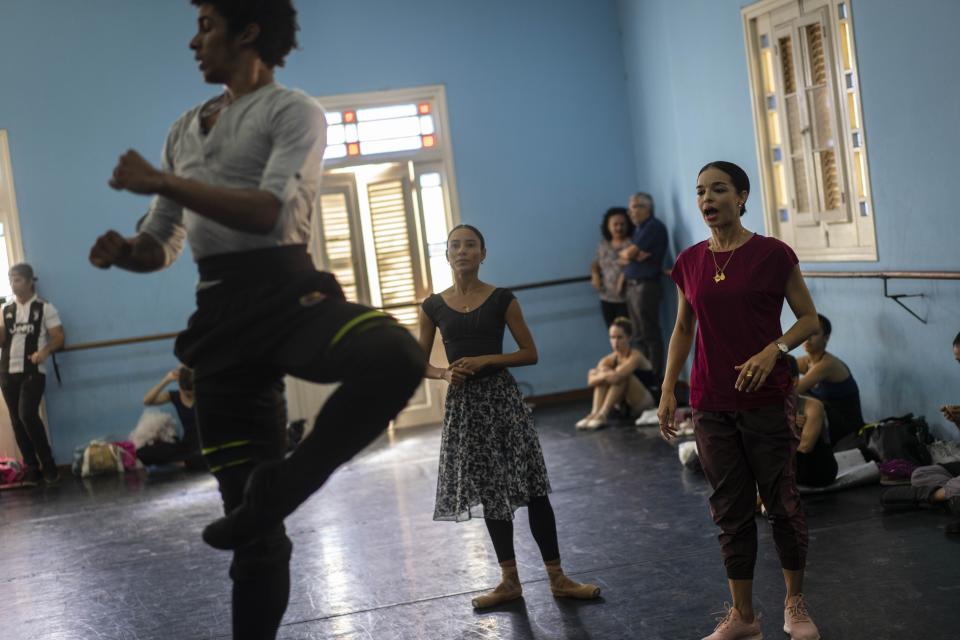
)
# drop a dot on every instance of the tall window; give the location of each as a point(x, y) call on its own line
point(388, 197)
point(10, 249)
point(810, 136)
point(387, 201)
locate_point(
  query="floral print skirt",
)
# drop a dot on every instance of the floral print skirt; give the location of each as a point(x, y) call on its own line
point(490, 456)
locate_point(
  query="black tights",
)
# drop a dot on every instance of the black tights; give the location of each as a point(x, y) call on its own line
point(242, 419)
point(543, 526)
point(23, 392)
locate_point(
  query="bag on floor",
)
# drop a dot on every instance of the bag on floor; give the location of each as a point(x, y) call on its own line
point(898, 438)
point(10, 471)
point(128, 455)
point(101, 457)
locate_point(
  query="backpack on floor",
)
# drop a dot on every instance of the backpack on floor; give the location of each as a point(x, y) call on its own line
point(101, 457)
point(10, 471)
point(897, 438)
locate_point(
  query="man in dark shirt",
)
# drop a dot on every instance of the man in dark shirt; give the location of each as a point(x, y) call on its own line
point(643, 266)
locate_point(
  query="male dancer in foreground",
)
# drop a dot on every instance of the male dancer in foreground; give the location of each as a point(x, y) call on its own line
point(239, 178)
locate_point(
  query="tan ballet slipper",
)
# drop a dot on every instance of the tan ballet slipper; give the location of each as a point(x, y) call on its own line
point(564, 587)
point(508, 589)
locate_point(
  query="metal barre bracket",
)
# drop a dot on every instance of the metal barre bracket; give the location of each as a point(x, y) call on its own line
point(896, 298)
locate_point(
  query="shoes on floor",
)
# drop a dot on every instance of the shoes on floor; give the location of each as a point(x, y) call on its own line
point(51, 476)
point(796, 620)
point(31, 477)
point(593, 424)
point(733, 627)
point(508, 590)
point(582, 422)
point(561, 586)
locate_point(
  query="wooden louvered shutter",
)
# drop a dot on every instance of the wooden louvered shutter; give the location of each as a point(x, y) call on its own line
point(823, 125)
point(394, 240)
point(811, 123)
point(337, 241)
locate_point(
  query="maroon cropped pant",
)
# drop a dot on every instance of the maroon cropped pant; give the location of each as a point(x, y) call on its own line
point(742, 452)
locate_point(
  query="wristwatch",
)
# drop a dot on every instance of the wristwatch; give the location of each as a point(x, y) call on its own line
point(784, 349)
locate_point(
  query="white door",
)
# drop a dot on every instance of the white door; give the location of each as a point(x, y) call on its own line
point(376, 230)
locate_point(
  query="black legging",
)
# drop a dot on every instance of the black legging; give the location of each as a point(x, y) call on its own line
point(543, 526)
point(271, 314)
point(23, 392)
point(379, 370)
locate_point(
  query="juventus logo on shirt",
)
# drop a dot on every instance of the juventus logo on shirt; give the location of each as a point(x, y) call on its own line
point(25, 335)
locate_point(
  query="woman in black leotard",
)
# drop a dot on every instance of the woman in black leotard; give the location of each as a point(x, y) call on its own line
point(490, 457)
point(827, 378)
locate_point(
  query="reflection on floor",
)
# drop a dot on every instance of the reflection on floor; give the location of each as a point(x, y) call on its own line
point(122, 558)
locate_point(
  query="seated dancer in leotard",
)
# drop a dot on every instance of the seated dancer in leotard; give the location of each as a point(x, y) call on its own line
point(490, 455)
point(614, 379)
point(827, 378)
point(239, 177)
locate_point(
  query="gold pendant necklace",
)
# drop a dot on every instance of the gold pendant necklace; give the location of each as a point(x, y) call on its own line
point(719, 275)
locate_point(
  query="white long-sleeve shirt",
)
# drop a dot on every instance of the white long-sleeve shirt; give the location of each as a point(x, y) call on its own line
point(272, 139)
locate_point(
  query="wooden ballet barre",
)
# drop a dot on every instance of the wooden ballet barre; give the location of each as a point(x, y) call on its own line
point(882, 275)
point(118, 342)
point(100, 344)
point(886, 275)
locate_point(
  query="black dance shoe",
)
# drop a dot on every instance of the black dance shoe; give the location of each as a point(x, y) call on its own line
point(265, 505)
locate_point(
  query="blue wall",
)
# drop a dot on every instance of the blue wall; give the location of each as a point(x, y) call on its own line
point(539, 119)
point(690, 100)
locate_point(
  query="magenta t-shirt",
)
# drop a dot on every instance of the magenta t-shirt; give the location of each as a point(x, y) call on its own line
point(736, 318)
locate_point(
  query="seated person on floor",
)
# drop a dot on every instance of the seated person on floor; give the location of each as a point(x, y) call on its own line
point(187, 450)
point(816, 466)
point(952, 411)
point(828, 379)
point(614, 381)
point(935, 484)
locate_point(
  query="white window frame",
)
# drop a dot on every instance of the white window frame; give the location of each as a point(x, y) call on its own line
point(441, 153)
point(9, 214)
point(426, 407)
point(10, 217)
point(857, 232)
point(438, 158)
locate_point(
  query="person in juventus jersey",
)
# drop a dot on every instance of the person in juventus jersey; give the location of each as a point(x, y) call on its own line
point(239, 178)
point(32, 331)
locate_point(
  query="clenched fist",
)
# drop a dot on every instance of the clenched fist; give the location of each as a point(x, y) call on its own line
point(109, 248)
point(133, 173)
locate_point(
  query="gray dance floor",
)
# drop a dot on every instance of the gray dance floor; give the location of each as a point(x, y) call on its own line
point(121, 558)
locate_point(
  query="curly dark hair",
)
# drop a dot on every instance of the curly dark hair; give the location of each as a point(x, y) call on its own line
point(615, 211)
point(277, 20)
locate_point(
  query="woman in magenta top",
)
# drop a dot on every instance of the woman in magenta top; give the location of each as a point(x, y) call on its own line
point(733, 286)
